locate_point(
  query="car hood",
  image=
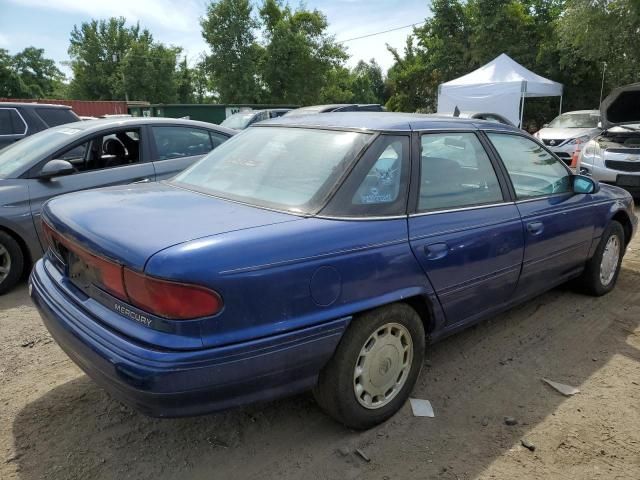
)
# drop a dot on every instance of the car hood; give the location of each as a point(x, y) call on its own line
point(621, 107)
point(564, 133)
point(131, 223)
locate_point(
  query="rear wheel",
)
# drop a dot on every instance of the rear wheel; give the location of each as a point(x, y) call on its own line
point(374, 368)
point(11, 262)
point(602, 270)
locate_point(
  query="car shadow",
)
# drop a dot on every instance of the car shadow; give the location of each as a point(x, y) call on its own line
point(473, 379)
point(18, 297)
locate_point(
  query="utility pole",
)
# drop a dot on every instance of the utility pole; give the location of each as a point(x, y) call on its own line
point(604, 69)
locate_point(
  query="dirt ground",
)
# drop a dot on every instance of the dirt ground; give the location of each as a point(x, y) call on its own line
point(56, 424)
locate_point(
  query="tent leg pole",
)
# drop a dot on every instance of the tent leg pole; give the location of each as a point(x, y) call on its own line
point(522, 111)
point(560, 113)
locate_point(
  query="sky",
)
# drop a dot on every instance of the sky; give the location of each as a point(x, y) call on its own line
point(48, 23)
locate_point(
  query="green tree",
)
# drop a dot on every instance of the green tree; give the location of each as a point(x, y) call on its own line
point(302, 57)
point(595, 32)
point(112, 61)
point(233, 61)
point(28, 74)
point(367, 83)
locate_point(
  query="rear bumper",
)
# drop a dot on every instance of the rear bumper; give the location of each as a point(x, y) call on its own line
point(181, 383)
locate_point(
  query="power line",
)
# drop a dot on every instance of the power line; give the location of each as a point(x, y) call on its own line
point(380, 33)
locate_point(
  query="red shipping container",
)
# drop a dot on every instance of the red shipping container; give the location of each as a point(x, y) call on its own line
point(89, 108)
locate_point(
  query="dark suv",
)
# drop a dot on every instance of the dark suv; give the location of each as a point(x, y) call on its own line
point(18, 120)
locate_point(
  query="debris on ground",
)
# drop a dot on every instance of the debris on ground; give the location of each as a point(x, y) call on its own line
point(485, 421)
point(421, 408)
point(566, 390)
point(363, 455)
point(510, 421)
point(528, 445)
point(344, 451)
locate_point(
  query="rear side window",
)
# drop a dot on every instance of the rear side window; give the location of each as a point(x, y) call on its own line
point(455, 171)
point(11, 123)
point(56, 116)
point(378, 184)
point(533, 171)
point(178, 142)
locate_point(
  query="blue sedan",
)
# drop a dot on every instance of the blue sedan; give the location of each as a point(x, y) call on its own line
point(320, 252)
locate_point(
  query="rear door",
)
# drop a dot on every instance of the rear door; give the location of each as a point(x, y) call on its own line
point(174, 147)
point(558, 224)
point(12, 126)
point(465, 230)
point(113, 157)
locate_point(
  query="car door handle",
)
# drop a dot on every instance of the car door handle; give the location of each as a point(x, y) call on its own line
point(144, 180)
point(535, 228)
point(436, 251)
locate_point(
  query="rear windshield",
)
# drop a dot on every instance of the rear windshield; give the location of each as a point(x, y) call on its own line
point(290, 169)
point(56, 116)
point(576, 120)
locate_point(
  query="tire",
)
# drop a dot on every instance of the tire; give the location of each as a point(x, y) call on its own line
point(595, 280)
point(384, 360)
point(11, 260)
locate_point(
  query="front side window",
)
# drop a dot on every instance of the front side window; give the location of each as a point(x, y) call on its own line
point(180, 142)
point(455, 172)
point(533, 171)
point(56, 116)
point(104, 151)
point(277, 167)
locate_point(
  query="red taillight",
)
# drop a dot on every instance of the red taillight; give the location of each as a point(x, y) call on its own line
point(177, 301)
point(171, 300)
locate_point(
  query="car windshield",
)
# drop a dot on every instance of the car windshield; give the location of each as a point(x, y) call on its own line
point(18, 156)
point(283, 168)
point(238, 121)
point(575, 120)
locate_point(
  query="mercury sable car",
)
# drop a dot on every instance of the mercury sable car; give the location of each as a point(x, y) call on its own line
point(320, 252)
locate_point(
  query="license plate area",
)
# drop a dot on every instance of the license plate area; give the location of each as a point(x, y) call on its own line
point(79, 272)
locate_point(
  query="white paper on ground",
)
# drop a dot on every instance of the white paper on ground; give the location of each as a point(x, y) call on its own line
point(567, 390)
point(421, 408)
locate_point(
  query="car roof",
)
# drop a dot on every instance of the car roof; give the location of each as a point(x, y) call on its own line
point(32, 105)
point(383, 121)
point(88, 126)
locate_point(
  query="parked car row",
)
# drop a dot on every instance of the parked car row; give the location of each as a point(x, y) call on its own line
point(316, 251)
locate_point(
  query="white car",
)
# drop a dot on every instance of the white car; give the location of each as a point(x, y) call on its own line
point(569, 131)
point(614, 155)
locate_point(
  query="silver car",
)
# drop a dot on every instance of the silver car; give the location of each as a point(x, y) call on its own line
point(614, 156)
point(83, 155)
point(570, 131)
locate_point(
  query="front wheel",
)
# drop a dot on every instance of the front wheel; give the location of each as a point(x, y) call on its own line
point(11, 262)
point(374, 368)
point(602, 270)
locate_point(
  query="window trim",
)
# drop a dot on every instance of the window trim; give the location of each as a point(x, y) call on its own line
point(414, 193)
point(506, 171)
point(26, 127)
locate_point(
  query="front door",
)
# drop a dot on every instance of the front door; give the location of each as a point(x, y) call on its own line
point(558, 224)
point(109, 158)
point(465, 232)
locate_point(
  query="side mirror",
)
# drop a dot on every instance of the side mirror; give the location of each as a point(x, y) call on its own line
point(584, 184)
point(55, 168)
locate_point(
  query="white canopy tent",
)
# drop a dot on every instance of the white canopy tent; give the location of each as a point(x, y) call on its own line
point(500, 86)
